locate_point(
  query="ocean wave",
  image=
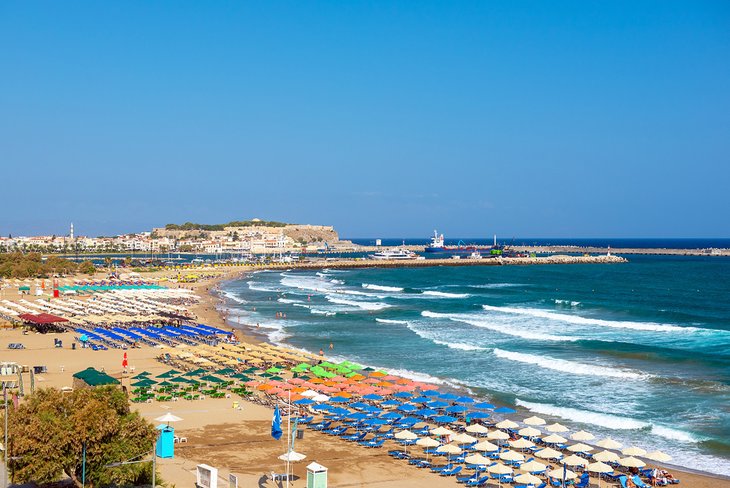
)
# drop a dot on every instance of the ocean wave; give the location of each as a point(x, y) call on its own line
point(391, 321)
point(357, 303)
point(578, 320)
point(288, 300)
point(443, 294)
point(306, 283)
point(337, 282)
point(502, 329)
point(459, 345)
point(497, 285)
point(607, 420)
point(565, 366)
point(233, 297)
point(317, 311)
point(566, 302)
point(381, 287)
point(252, 285)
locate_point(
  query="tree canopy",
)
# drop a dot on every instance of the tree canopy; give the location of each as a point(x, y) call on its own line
point(49, 429)
point(235, 223)
point(31, 265)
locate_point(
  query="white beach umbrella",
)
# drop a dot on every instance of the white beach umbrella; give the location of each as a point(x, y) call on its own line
point(511, 456)
point(582, 435)
point(548, 453)
point(507, 424)
point(477, 459)
point(485, 446)
point(498, 435)
point(574, 460)
point(320, 398)
point(463, 438)
point(499, 468)
point(168, 417)
point(427, 442)
point(606, 456)
point(599, 468)
point(477, 429)
point(521, 443)
point(441, 431)
point(449, 449)
point(534, 421)
point(405, 435)
point(528, 479)
point(559, 473)
point(580, 447)
point(659, 456)
point(633, 451)
point(292, 456)
point(310, 393)
point(556, 427)
point(631, 462)
point(609, 443)
point(533, 467)
point(554, 439)
point(529, 432)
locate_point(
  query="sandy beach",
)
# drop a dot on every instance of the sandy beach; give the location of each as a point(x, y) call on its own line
point(236, 441)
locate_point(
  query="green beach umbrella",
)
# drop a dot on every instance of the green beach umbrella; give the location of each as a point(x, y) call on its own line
point(143, 383)
point(266, 375)
point(240, 376)
point(166, 374)
point(303, 366)
point(165, 383)
point(277, 378)
point(142, 375)
point(225, 371)
point(211, 379)
point(273, 369)
point(326, 364)
point(179, 379)
point(251, 370)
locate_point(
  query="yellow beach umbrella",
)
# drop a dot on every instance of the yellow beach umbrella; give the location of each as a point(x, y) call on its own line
point(441, 431)
point(427, 442)
point(511, 456)
point(533, 467)
point(599, 468)
point(498, 435)
point(528, 479)
point(499, 468)
point(559, 473)
point(477, 459)
point(449, 449)
point(554, 439)
point(548, 453)
point(463, 438)
point(405, 435)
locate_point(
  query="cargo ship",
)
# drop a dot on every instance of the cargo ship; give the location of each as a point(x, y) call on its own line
point(437, 246)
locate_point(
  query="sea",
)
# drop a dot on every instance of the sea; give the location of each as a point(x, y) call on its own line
point(638, 351)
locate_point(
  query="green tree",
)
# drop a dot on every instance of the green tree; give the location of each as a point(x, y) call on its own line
point(87, 267)
point(49, 430)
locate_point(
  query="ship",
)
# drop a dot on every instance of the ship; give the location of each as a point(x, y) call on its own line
point(395, 255)
point(437, 245)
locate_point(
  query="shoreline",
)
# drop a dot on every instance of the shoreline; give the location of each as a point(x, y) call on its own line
point(250, 335)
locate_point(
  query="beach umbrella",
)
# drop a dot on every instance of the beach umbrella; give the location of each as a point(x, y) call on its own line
point(444, 419)
point(292, 457)
point(483, 406)
point(456, 409)
point(441, 431)
point(549, 453)
point(390, 403)
point(507, 424)
point(407, 407)
point(554, 439)
point(165, 383)
point(303, 401)
point(464, 400)
point(582, 435)
point(563, 474)
point(631, 462)
point(211, 379)
point(521, 443)
point(477, 429)
point(528, 479)
point(339, 399)
point(534, 421)
point(659, 456)
point(320, 398)
point(556, 427)
point(478, 415)
point(426, 412)
point(477, 459)
point(144, 383)
point(143, 374)
point(420, 399)
point(437, 404)
point(505, 410)
point(599, 468)
point(405, 435)
point(427, 442)
point(511, 456)
point(606, 456)
point(449, 449)
point(463, 438)
point(310, 393)
point(391, 416)
point(574, 460)
point(373, 396)
point(633, 451)
point(403, 394)
point(580, 447)
point(168, 417)
point(449, 396)
point(529, 432)
point(609, 443)
point(485, 446)
point(533, 467)
point(498, 435)
point(499, 469)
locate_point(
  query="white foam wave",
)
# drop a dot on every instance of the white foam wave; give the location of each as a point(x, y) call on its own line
point(496, 285)
point(357, 303)
point(565, 366)
point(566, 302)
point(337, 282)
point(392, 321)
point(306, 283)
point(459, 345)
point(287, 300)
point(381, 287)
point(578, 320)
point(317, 311)
point(607, 420)
point(252, 285)
point(443, 294)
point(233, 297)
point(502, 329)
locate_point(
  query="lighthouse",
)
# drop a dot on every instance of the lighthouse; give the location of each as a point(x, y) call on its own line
point(71, 233)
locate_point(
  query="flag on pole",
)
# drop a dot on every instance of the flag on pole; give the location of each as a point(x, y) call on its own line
point(293, 433)
point(276, 424)
point(124, 361)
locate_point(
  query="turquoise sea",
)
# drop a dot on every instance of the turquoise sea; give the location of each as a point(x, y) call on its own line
point(638, 351)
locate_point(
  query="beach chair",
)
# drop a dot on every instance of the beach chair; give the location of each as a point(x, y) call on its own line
point(622, 481)
point(452, 472)
point(638, 482)
point(438, 469)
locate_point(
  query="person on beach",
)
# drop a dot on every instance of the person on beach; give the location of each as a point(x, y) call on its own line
point(332, 346)
point(321, 352)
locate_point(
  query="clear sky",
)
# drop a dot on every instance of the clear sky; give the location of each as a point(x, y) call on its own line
point(383, 118)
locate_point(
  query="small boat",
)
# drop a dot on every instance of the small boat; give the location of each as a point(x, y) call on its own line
point(399, 254)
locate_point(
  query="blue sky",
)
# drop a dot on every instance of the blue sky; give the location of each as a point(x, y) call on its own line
point(382, 118)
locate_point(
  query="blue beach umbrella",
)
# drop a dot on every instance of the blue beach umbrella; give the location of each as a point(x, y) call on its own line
point(372, 396)
point(339, 399)
point(357, 416)
point(444, 419)
point(303, 401)
point(456, 409)
point(478, 415)
point(322, 406)
point(407, 407)
point(437, 404)
point(376, 421)
point(409, 421)
point(449, 396)
point(390, 403)
point(431, 393)
point(358, 405)
point(484, 406)
point(403, 394)
point(372, 409)
point(426, 412)
point(421, 399)
point(505, 410)
point(464, 400)
point(391, 416)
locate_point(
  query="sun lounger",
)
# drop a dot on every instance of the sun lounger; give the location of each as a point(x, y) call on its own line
point(638, 482)
point(438, 469)
point(452, 472)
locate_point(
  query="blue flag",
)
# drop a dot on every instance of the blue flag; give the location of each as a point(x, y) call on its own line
point(276, 424)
